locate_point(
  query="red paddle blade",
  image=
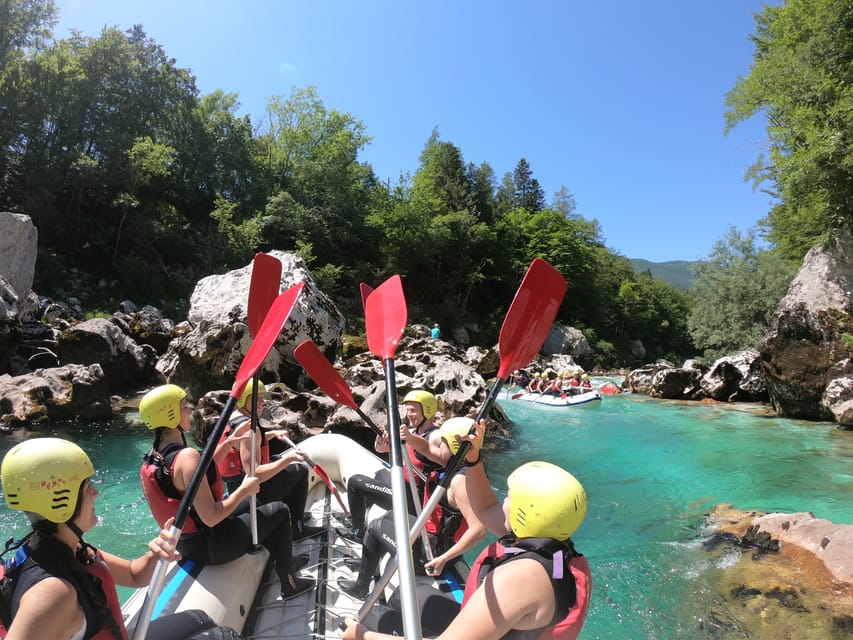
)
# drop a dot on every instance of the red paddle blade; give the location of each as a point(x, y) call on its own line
point(263, 289)
point(385, 314)
point(264, 340)
point(366, 290)
point(324, 373)
point(530, 316)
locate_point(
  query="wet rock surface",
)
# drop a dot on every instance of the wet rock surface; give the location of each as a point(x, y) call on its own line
point(784, 583)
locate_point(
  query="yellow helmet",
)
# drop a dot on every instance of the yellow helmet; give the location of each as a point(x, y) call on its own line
point(161, 407)
point(248, 391)
point(545, 501)
point(453, 427)
point(44, 476)
point(584, 376)
point(429, 405)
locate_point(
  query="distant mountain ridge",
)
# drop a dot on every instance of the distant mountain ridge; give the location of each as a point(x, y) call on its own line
point(675, 272)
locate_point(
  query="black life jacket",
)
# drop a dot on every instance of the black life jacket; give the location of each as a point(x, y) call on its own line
point(29, 567)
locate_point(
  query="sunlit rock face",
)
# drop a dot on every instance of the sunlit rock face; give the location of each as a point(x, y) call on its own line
point(808, 341)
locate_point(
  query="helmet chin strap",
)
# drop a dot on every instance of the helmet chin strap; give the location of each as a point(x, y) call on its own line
point(85, 553)
point(183, 435)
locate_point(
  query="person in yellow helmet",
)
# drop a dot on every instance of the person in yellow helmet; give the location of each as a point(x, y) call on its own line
point(283, 478)
point(454, 526)
point(536, 382)
point(531, 583)
point(422, 446)
point(219, 527)
point(62, 586)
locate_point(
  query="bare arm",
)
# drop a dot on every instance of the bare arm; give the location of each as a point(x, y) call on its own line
point(429, 447)
point(211, 511)
point(381, 444)
point(480, 493)
point(48, 609)
point(474, 534)
point(496, 607)
point(234, 439)
point(265, 471)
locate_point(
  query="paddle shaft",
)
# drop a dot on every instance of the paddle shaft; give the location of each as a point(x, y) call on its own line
point(159, 576)
point(437, 494)
point(408, 600)
point(413, 487)
point(330, 380)
point(253, 463)
point(255, 356)
point(321, 472)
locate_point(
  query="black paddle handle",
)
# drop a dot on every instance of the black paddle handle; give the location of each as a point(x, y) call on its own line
point(368, 421)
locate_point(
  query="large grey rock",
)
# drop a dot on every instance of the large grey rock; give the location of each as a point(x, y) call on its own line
point(127, 365)
point(675, 384)
point(209, 356)
point(18, 242)
point(63, 393)
point(809, 331)
point(223, 299)
point(570, 341)
point(838, 399)
point(640, 380)
point(736, 378)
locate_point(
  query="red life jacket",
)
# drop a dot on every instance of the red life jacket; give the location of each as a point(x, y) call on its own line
point(445, 522)
point(100, 570)
point(572, 588)
point(421, 462)
point(160, 491)
point(231, 466)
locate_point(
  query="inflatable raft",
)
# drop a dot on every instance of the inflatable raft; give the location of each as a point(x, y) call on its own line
point(244, 594)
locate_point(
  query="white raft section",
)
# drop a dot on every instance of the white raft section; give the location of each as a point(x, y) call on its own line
point(245, 594)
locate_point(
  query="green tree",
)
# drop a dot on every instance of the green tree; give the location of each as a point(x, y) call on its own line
point(801, 79)
point(735, 292)
point(25, 25)
point(528, 193)
point(319, 191)
point(564, 201)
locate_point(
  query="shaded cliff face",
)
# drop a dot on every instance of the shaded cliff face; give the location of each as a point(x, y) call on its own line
point(804, 348)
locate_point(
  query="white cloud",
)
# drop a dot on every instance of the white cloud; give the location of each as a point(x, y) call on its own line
point(286, 68)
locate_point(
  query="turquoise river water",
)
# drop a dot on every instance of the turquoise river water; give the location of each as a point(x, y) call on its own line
point(652, 469)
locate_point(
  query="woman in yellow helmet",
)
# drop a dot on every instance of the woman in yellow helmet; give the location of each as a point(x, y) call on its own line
point(419, 433)
point(282, 478)
point(63, 587)
point(219, 528)
point(531, 583)
point(454, 529)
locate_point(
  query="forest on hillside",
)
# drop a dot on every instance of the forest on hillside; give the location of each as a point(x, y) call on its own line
point(139, 185)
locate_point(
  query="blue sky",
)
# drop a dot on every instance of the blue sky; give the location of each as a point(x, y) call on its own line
point(621, 102)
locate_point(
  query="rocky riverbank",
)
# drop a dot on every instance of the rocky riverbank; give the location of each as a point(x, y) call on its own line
point(791, 576)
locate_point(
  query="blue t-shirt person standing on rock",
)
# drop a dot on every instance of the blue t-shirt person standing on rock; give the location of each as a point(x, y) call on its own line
point(436, 331)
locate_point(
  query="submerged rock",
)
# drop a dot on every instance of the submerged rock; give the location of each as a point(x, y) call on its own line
point(794, 579)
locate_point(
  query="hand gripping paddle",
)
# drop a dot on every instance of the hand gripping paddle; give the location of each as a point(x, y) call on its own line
point(255, 356)
point(523, 333)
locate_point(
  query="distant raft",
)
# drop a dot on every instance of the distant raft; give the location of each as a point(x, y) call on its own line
point(587, 399)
